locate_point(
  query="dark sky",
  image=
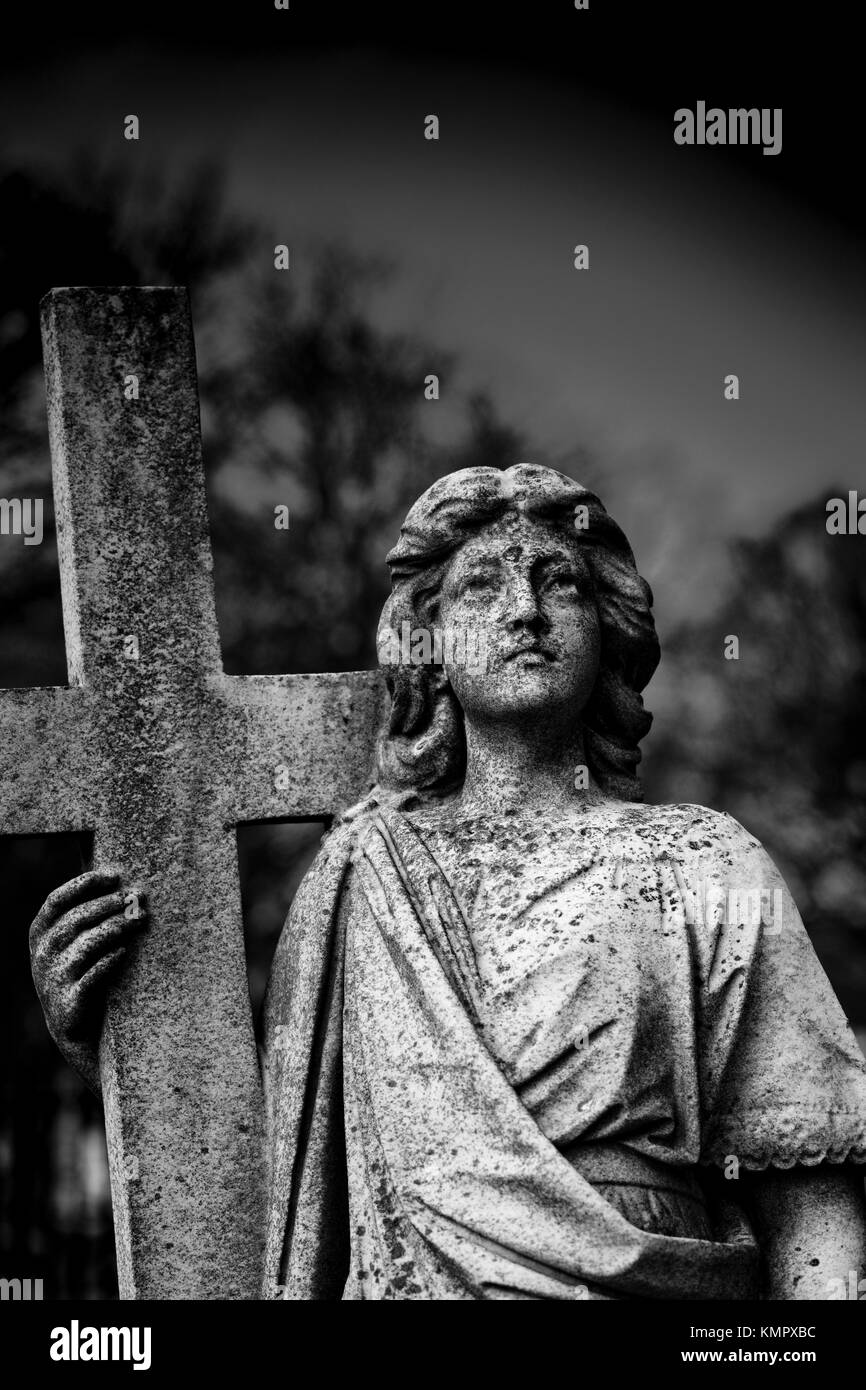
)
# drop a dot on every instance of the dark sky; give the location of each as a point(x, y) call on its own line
point(640, 54)
point(556, 128)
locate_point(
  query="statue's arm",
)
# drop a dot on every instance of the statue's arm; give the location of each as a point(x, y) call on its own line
point(783, 1076)
point(811, 1227)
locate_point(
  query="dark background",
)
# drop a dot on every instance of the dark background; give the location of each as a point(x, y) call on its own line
point(556, 129)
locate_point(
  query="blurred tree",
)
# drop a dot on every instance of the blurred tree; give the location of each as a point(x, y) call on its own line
point(97, 227)
point(777, 737)
point(318, 410)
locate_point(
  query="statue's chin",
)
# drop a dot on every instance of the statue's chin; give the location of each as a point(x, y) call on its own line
point(522, 699)
point(524, 688)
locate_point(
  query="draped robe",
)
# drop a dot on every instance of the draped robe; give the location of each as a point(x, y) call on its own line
point(423, 1134)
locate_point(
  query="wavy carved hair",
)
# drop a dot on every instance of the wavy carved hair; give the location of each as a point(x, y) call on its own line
point(422, 749)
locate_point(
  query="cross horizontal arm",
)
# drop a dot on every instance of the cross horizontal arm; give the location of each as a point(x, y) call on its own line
point(300, 746)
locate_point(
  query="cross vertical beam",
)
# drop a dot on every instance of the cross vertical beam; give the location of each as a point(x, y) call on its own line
point(178, 1060)
point(161, 755)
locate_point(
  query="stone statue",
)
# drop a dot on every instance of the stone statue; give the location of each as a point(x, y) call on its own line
point(525, 1036)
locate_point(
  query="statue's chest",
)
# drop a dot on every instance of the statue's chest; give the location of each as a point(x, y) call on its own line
point(551, 912)
point(572, 941)
point(552, 915)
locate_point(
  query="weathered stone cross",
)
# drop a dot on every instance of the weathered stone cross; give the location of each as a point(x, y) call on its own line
point(161, 754)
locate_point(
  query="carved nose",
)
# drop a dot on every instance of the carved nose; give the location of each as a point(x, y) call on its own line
point(522, 604)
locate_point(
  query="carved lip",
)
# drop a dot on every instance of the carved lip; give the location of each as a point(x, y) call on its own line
point(529, 649)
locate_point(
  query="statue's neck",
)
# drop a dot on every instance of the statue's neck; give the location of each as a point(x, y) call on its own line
point(513, 768)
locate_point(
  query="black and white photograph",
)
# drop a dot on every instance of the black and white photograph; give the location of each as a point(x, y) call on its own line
point(432, 671)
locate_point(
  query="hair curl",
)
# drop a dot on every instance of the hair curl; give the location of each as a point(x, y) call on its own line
point(422, 749)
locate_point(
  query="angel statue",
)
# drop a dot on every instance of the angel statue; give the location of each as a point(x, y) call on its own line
point(526, 1036)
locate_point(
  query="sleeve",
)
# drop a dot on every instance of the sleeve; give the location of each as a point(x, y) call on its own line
point(783, 1080)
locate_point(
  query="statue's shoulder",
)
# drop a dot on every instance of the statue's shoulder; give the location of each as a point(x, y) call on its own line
point(685, 830)
point(350, 827)
point(340, 839)
point(323, 882)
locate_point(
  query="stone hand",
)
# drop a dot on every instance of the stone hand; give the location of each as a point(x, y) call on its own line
point(78, 941)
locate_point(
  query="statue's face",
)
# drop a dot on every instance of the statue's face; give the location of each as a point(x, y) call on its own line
point(522, 593)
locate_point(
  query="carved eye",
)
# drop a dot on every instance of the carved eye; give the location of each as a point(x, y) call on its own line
point(479, 580)
point(564, 580)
